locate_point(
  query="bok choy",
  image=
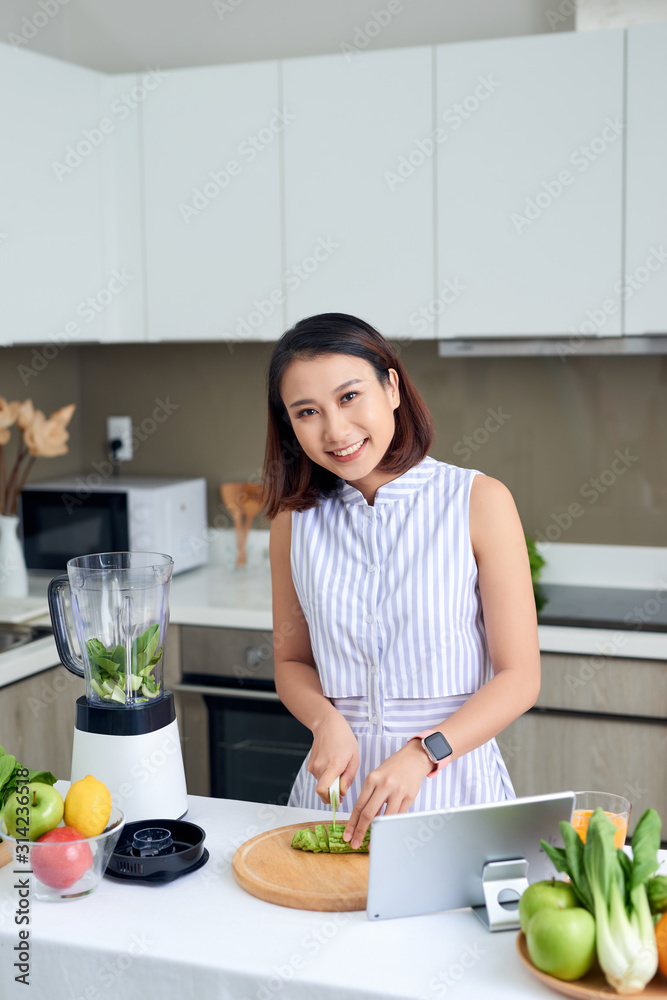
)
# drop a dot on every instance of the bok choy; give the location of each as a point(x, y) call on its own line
point(613, 887)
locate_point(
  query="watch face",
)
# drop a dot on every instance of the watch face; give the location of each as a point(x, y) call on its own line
point(438, 746)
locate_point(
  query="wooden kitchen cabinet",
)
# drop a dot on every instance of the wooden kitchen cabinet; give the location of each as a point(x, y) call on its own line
point(359, 204)
point(529, 184)
point(211, 139)
point(645, 262)
point(600, 724)
point(192, 716)
point(50, 232)
point(37, 717)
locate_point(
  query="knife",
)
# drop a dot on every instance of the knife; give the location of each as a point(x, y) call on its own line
point(334, 797)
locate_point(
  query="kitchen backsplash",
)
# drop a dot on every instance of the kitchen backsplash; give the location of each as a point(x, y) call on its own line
point(581, 442)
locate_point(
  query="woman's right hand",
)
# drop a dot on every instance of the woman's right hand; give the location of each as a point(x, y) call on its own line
point(334, 753)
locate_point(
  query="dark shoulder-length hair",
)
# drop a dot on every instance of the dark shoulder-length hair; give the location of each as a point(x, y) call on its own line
point(290, 480)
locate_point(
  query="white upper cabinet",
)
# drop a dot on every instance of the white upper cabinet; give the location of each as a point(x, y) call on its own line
point(50, 224)
point(529, 185)
point(212, 203)
point(122, 98)
point(645, 267)
point(359, 188)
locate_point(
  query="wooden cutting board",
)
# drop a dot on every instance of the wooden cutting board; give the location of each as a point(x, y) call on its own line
point(269, 868)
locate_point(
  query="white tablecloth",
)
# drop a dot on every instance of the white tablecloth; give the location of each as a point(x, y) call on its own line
point(203, 936)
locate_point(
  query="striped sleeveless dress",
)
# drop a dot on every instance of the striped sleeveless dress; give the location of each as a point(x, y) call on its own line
point(392, 603)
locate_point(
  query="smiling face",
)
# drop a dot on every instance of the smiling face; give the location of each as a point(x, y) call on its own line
point(342, 416)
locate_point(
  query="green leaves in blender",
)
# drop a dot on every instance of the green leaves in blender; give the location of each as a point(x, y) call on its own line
point(108, 667)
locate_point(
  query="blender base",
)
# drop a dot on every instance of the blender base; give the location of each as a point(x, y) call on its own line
point(144, 773)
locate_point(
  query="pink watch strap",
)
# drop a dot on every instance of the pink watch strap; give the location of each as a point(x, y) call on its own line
point(436, 767)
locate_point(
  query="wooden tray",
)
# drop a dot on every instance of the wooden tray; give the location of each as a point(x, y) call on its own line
point(593, 984)
point(269, 868)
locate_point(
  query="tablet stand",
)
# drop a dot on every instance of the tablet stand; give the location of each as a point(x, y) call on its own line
point(498, 877)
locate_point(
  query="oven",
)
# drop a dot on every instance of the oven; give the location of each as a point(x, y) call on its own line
point(255, 747)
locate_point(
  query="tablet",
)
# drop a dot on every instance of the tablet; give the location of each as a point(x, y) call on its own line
point(440, 860)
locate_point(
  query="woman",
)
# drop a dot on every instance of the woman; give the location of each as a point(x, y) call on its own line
point(402, 597)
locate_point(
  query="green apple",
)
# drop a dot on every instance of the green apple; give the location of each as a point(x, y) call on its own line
point(29, 814)
point(551, 894)
point(562, 942)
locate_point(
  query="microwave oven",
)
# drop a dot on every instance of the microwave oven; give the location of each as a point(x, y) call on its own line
point(72, 516)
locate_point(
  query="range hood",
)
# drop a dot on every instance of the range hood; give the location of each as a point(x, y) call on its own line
point(567, 346)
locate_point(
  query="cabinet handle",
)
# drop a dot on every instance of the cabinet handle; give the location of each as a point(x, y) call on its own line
point(227, 692)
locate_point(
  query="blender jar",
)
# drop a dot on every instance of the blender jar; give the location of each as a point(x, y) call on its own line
point(120, 610)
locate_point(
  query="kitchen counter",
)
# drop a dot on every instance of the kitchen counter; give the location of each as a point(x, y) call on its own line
point(217, 595)
point(204, 936)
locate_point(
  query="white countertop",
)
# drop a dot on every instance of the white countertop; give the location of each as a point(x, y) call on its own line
point(203, 936)
point(218, 595)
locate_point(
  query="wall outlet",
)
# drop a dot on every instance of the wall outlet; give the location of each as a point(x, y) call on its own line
point(121, 428)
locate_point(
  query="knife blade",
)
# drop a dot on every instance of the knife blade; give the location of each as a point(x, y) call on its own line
point(334, 797)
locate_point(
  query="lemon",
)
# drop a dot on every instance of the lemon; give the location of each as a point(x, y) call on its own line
point(88, 806)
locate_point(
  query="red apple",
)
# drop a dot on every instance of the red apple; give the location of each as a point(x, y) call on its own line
point(63, 859)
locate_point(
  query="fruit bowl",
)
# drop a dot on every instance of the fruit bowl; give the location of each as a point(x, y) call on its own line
point(592, 986)
point(66, 870)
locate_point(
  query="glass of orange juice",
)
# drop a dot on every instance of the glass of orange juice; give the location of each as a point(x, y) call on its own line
point(616, 808)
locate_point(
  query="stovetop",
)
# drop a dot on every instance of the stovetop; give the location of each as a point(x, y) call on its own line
point(604, 607)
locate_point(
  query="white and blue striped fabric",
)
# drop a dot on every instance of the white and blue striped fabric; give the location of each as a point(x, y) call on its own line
point(391, 599)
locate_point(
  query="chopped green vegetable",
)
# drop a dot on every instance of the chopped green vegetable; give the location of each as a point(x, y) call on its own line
point(327, 840)
point(613, 887)
point(322, 837)
point(306, 840)
point(656, 890)
point(109, 677)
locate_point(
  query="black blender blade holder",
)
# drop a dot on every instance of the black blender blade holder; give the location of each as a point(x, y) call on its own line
point(117, 720)
point(157, 850)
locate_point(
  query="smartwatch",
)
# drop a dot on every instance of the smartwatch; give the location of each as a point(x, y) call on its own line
point(436, 748)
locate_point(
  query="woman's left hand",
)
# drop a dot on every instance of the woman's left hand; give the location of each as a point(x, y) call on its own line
point(395, 783)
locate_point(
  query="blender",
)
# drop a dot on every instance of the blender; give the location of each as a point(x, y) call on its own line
point(126, 731)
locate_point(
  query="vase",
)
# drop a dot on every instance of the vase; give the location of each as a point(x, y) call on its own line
point(13, 573)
